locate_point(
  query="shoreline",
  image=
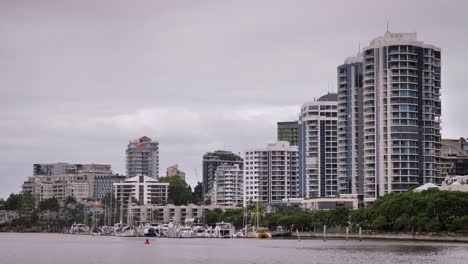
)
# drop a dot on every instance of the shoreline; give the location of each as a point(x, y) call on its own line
point(385, 236)
point(332, 236)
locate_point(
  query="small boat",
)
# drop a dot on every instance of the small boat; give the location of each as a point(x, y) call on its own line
point(186, 232)
point(152, 230)
point(127, 231)
point(210, 232)
point(79, 229)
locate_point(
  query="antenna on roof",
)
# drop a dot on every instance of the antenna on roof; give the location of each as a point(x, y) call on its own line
point(359, 47)
point(387, 25)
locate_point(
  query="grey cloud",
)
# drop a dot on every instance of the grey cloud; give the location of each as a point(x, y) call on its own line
point(78, 79)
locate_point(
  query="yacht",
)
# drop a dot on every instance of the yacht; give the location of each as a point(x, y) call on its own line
point(152, 230)
point(209, 232)
point(199, 230)
point(79, 229)
point(127, 231)
point(186, 232)
point(224, 230)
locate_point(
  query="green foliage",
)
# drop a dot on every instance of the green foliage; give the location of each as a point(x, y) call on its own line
point(428, 211)
point(197, 195)
point(50, 204)
point(13, 202)
point(180, 192)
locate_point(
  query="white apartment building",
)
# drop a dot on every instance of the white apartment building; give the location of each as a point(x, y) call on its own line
point(271, 173)
point(178, 214)
point(144, 189)
point(228, 186)
point(318, 147)
point(142, 157)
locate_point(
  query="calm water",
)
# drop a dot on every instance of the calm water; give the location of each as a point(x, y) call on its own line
point(69, 249)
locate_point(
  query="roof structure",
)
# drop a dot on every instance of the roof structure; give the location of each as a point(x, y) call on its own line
point(426, 187)
point(328, 97)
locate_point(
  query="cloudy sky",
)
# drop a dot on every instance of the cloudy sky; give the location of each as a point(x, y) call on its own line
point(79, 79)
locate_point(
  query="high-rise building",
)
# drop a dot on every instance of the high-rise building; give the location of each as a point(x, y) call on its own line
point(350, 127)
point(228, 187)
point(211, 161)
point(271, 174)
point(143, 158)
point(174, 171)
point(401, 111)
point(318, 176)
point(288, 131)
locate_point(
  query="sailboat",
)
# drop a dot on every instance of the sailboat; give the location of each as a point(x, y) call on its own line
point(126, 230)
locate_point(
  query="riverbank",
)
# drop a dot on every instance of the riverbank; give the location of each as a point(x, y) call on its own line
point(387, 236)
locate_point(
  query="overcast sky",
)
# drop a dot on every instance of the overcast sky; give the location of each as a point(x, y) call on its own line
point(79, 79)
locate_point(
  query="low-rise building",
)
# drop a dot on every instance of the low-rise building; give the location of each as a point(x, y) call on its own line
point(143, 189)
point(7, 216)
point(347, 200)
point(151, 213)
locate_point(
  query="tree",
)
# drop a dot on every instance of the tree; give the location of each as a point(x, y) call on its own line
point(13, 202)
point(50, 204)
point(197, 196)
point(212, 217)
point(180, 192)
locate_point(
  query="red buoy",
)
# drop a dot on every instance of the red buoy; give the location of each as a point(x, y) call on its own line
point(147, 242)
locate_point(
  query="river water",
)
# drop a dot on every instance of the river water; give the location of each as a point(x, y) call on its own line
point(75, 249)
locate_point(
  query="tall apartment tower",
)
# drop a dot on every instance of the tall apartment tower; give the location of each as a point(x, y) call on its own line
point(318, 147)
point(143, 158)
point(271, 174)
point(288, 131)
point(401, 112)
point(228, 187)
point(211, 161)
point(350, 127)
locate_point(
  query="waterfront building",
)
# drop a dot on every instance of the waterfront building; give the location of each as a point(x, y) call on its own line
point(346, 200)
point(401, 111)
point(177, 214)
point(144, 189)
point(350, 127)
point(174, 171)
point(318, 147)
point(271, 174)
point(142, 158)
point(288, 131)
point(453, 160)
point(460, 143)
point(104, 185)
point(60, 186)
point(61, 180)
point(211, 161)
point(228, 185)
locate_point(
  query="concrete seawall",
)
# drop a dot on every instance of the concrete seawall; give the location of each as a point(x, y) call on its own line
point(438, 237)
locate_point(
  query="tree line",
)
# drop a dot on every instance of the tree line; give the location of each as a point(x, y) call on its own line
point(428, 211)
